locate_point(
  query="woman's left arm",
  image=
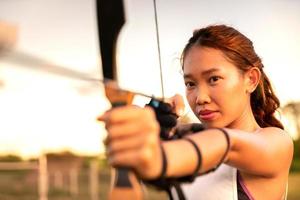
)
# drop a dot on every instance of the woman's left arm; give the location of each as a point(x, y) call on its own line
point(266, 154)
point(133, 141)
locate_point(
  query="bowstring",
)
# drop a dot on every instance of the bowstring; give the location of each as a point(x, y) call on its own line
point(158, 50)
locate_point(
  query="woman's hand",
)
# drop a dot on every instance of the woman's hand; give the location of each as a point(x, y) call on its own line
point(133, 140)
point(177, 104)
point(167, 114)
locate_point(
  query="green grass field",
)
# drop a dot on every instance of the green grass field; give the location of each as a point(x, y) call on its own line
point(294, 186)
point(22, 185)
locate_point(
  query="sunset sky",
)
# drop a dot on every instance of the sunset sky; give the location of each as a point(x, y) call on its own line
point(40, 112)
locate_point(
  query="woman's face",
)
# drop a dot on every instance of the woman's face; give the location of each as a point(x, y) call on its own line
point(215, 88)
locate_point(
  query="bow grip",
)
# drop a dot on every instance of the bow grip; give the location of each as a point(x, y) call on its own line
point(124, 181)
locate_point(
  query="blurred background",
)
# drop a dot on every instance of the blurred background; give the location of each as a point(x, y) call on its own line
point(51, 119)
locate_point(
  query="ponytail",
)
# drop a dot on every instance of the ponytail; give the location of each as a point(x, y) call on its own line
point(264, 103)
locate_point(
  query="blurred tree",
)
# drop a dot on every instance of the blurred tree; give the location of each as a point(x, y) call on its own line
point(292, 110)
point(10, 158)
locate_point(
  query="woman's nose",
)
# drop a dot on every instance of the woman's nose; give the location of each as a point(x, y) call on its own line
point(202, 96)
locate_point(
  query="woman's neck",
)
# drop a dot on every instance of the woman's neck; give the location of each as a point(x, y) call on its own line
point(246, 121)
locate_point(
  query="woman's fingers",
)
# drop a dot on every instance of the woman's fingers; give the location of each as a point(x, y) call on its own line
point(146, 161)
point(123, 130)
point(142, 121)
point(133, 139)
point(123, 144)
point(125, 113)
point(177, 104)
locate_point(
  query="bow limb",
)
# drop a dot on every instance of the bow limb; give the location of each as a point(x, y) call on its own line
point(110, 15)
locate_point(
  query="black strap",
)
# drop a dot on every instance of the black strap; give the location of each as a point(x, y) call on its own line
point(225, 153)
point(166, 184)
point(199, 157)
point(164, 163)
point(227, 142)
point(179, 191)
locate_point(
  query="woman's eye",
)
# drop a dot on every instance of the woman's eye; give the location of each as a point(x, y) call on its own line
point(214, 79)
point(189, 84)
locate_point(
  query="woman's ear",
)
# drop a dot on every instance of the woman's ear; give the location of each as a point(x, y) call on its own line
point(252, 78)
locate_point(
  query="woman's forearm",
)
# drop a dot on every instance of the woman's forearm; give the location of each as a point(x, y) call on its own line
point(182, 157)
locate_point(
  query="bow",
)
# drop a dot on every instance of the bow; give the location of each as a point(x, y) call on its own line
point(110, 14)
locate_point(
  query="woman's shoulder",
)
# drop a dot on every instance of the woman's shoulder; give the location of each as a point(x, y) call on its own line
point(273, 129)
point(276, 133)
point(280, 140)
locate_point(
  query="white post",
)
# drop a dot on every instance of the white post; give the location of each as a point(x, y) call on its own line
point(94, 180)
point(43, 178)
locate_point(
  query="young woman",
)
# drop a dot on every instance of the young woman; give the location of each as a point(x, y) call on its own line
point(228, 90)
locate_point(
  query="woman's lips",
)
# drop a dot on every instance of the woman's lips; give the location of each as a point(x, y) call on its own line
point(207, 115)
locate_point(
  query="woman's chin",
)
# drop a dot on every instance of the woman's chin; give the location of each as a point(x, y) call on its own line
point(212, 124)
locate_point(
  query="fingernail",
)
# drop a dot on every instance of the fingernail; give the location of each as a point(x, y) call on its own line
point(101, 117)
point(105, 141)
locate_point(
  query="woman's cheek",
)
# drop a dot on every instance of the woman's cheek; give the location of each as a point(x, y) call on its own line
point(191, 99)
point(229, 98)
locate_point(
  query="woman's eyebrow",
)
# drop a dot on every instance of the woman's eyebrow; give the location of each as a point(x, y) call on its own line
point(187, 76)
point(209, 71)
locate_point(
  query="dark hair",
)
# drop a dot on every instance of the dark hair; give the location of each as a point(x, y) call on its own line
point(240, 51)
